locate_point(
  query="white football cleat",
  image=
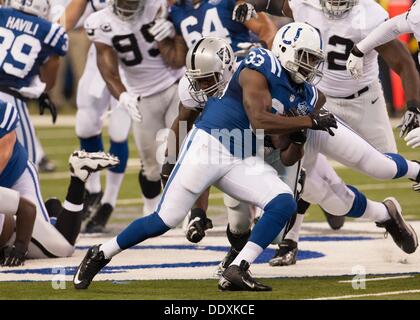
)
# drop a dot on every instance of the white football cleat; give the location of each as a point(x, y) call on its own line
point(82, 163)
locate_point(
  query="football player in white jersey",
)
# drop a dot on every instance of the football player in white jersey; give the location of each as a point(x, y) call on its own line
point(407, 22)
point(93, 100)
point(360, 104)
point(137, 76)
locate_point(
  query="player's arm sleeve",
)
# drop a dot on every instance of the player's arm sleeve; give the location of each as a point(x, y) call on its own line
point(57, 39)
point(384, 33)
point(9, 118)
point(94, 30)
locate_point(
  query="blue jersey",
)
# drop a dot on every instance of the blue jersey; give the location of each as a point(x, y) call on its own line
point(227, 114)
point(26, 42)
point(9, 119)
point(212, 18)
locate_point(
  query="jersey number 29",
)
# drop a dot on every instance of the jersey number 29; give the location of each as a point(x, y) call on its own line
point(22, 52)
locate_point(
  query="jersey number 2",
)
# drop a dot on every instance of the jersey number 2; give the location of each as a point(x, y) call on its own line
point(23, 51)
point(333, 56)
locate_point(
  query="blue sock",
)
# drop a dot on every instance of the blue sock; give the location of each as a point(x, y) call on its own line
point(119, 149)
point(402, 166)
point(92, 144)
point(140, 230)
point(276, 214)
point(359, 204)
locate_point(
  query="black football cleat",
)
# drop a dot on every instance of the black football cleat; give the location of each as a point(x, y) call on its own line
point(238, 278)
point(286, 254)
point(401, 232)
point(92, 263)
point(335, 222)
point(227, 260)
point(91, 203)
point(99, 220)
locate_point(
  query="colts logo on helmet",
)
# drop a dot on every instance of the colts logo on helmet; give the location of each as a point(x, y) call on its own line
point(297, 35)
point(224, 55)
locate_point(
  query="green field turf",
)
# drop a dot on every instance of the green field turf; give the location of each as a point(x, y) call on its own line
point(283, 289)
point(60, 141)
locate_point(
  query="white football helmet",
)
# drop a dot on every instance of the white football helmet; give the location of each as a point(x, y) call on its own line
point(128, 9)
point(210, 65)
point(337, 9)
point(298, 46)
point(39, 8)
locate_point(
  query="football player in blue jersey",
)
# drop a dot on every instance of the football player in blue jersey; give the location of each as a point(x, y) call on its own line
point(35, 235)
point(29, 60)
point(222, 150)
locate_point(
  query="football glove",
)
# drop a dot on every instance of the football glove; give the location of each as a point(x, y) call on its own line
point(130, 102)
point(413, 138)
point(324, 121)
point(243, 12)
point(248, 46)
point(13, 256)
point(199, 223)
point(354, 63)
point(410, 119)
point(162, 29)
point(298, 137)
point(45, 102)
point(166, 172)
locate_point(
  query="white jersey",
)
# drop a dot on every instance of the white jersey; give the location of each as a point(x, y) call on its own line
point(91, 7)
point(338, 38)
point(413, 20)
point(140, 62)
point(185, 96)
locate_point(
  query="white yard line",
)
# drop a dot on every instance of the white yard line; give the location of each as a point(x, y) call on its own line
point(378, 279)
point(379, 294)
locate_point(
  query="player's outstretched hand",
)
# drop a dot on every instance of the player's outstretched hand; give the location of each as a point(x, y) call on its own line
point(354, 63)
point(243, 12)
point(162, 29)
point(13, 256)
point(45, 102)
point(324, 121)
point(410, 120)
point(130, 102)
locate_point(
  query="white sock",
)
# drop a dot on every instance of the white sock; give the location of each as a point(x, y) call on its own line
point(110, 248)
point(249, 253)
point(93, 183)
point(72, 207)
point(112, 188)
point(413, 169)
point(149, 205)
point(376, 211)
point(293, 234)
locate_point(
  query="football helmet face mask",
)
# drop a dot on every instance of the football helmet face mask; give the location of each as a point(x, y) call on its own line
point(128, 9)
point(298, 46)
point(210, 65)
point(337, 9)
point(39, 8)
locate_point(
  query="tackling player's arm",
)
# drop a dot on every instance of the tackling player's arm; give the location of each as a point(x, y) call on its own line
point(49, 70)
point(257, 101)
point(107, 61)
point(73, 13)
point(173, 51)
point(263, 27)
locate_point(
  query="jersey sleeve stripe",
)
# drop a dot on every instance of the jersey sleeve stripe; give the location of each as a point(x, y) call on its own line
point(50, 35)
point(315, 96)
point(57, 37)
point(6, 117)
point(13, 119)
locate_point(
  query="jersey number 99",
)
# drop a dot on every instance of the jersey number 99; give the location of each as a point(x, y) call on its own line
point(18, 54)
